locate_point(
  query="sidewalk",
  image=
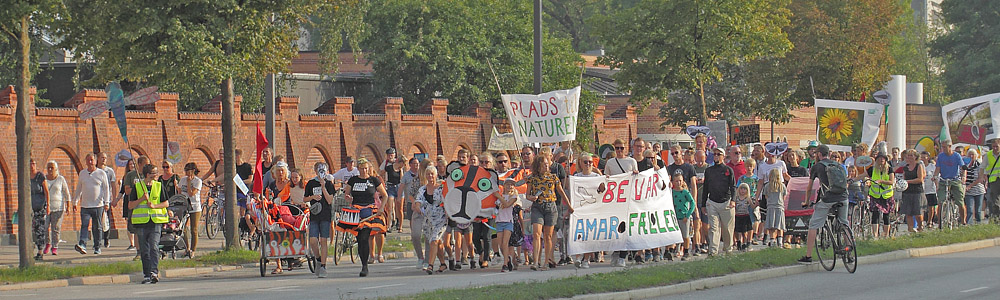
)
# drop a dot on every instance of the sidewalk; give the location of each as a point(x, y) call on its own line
point(117, 251)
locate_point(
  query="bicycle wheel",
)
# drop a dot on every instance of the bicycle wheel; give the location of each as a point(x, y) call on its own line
point(825, 248)
point(211, 222)
point(949, 215)
point(849, 252)
point(337, 246)
point(351, 244)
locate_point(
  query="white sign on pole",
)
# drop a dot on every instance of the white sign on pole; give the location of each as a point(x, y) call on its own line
point(547, 118)
point(622, 212)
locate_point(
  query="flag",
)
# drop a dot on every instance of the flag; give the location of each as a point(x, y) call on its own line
point(862, 97)
point(258, 178)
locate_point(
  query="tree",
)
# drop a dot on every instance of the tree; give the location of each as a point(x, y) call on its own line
point(852, 38)
point(205, 41)
point(970, 48)
point(19, 22)
point(662, 46)
point(728, 99)
point(571, 19)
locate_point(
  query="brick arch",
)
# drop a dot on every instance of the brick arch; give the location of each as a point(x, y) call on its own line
point(200, 156)
point(317, 153)
point(370, 151)
point(416, 148)
point(460, 146)
point(139, 151)
point(7, 198)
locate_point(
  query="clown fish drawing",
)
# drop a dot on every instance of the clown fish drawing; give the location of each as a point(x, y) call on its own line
point(469, 192)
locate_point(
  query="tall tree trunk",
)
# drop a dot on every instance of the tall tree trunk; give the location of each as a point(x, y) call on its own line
point(229, 162)
point(704, 109)
point(23, 128)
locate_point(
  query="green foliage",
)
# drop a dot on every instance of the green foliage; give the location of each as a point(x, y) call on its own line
point(571, 19)
point(842, 46)
point(187, 46)
point(911, 52)
point(428, 49)
point(662, 46)
point(970, 47)
point(727, 99)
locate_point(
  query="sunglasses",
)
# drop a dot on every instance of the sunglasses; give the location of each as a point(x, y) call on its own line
point(502, 161)
point(675, 152)
point(525, 154)
point(587, 162)
point(165, 167)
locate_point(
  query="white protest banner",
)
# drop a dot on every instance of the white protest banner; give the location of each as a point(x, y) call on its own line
point(972, 121)
point(842, 124)
point(500, 142)
point(623, 212)
point(545, 118)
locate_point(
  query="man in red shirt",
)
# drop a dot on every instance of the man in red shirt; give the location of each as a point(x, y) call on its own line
point(735, 161)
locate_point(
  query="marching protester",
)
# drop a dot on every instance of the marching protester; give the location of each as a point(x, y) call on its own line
point(684, 206)
point(319, 193)
point(913, 201)
point(827, 197)
point(774, 221)
point(59, 199)
point(620, 164)
point(39, 208)
point(410, 184)
point(880, 193)
point(347, 171)
point(543, 190)
point(720, 187)
point(133, 175)
point(930, 187)
point(102, 159)
point(431, 207)
point(947, 174)
point(974, 188)
point(149, 212)
point(586, 169)
point(190, 187)
point(363, 189)
point(93, 194)
point(990, 176)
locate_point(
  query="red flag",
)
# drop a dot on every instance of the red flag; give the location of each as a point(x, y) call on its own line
point(258, 178)
point(862, 97)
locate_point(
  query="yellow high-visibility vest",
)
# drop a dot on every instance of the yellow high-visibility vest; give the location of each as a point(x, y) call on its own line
point(142, 213)
point(877, 190)
point(994, 169)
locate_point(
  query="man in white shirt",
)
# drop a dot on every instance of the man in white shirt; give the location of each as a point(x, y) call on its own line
point(102, 159)
point(347, 172)
point(93, 194)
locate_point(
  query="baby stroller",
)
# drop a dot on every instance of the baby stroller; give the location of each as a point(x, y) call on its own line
point(172, 233)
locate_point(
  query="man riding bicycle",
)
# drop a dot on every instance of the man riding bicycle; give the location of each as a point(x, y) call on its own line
point(831, 193)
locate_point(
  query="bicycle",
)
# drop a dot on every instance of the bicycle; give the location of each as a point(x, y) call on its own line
point(343, 242)
point(859, 213)
point(836, 239)
point(948, 211)
point(215, 215)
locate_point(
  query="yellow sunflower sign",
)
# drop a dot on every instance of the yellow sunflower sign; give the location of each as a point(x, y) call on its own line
point(841, 124)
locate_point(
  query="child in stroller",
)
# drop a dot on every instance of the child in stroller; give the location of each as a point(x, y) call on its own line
point(171, 235)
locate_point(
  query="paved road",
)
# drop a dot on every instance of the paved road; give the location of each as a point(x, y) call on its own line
point(964, 275)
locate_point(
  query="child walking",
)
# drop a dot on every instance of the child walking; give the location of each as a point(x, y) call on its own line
point(744, 226)
point(775, 193)
point(505, 224)
point(684, 206)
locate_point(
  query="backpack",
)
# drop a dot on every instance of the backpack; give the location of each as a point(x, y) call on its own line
point(836, 177)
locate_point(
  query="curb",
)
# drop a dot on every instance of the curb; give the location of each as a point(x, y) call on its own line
point(733, 279)
point(115, 279)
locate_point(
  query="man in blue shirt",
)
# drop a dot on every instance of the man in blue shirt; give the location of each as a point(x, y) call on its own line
point(948, 174)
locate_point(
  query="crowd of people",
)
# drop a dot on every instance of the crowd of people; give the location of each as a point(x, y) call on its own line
point(726, 199)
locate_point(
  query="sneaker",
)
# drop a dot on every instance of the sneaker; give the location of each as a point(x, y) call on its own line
point(321, 272)
point(107, 244)
point(694, 253)
point(137, 257)
point(97, 251)
point(787, 246)
point(38, 257)
point(146, 280)
point(421, 264)
point(154, 279)
point(585, 264)
point(54, 250)
point(47, 247)
point(806, 260)
point(619, 262)
point(130, 248)
point(80, 249)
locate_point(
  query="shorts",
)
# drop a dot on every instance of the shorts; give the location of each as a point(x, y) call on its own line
point(454, 227)
point(931, 200)
point(505, 226)
point(685, 225)
point(544, 213)
point(822, 209)
point(319, 229)
point(392, 190)
point(743, 224)
point(912, 204)
point(696, 216)
point(703, 214)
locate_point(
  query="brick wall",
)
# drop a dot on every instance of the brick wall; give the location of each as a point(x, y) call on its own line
point(59, 134)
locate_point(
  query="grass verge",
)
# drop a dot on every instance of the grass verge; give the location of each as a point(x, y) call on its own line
point(51, 272)
point(688, 271)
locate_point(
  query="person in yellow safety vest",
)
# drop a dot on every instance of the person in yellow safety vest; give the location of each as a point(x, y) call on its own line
point(989, 176)
point(148, 213)
point(880, 193)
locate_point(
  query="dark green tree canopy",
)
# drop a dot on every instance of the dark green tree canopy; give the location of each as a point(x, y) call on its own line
point(970, 48)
